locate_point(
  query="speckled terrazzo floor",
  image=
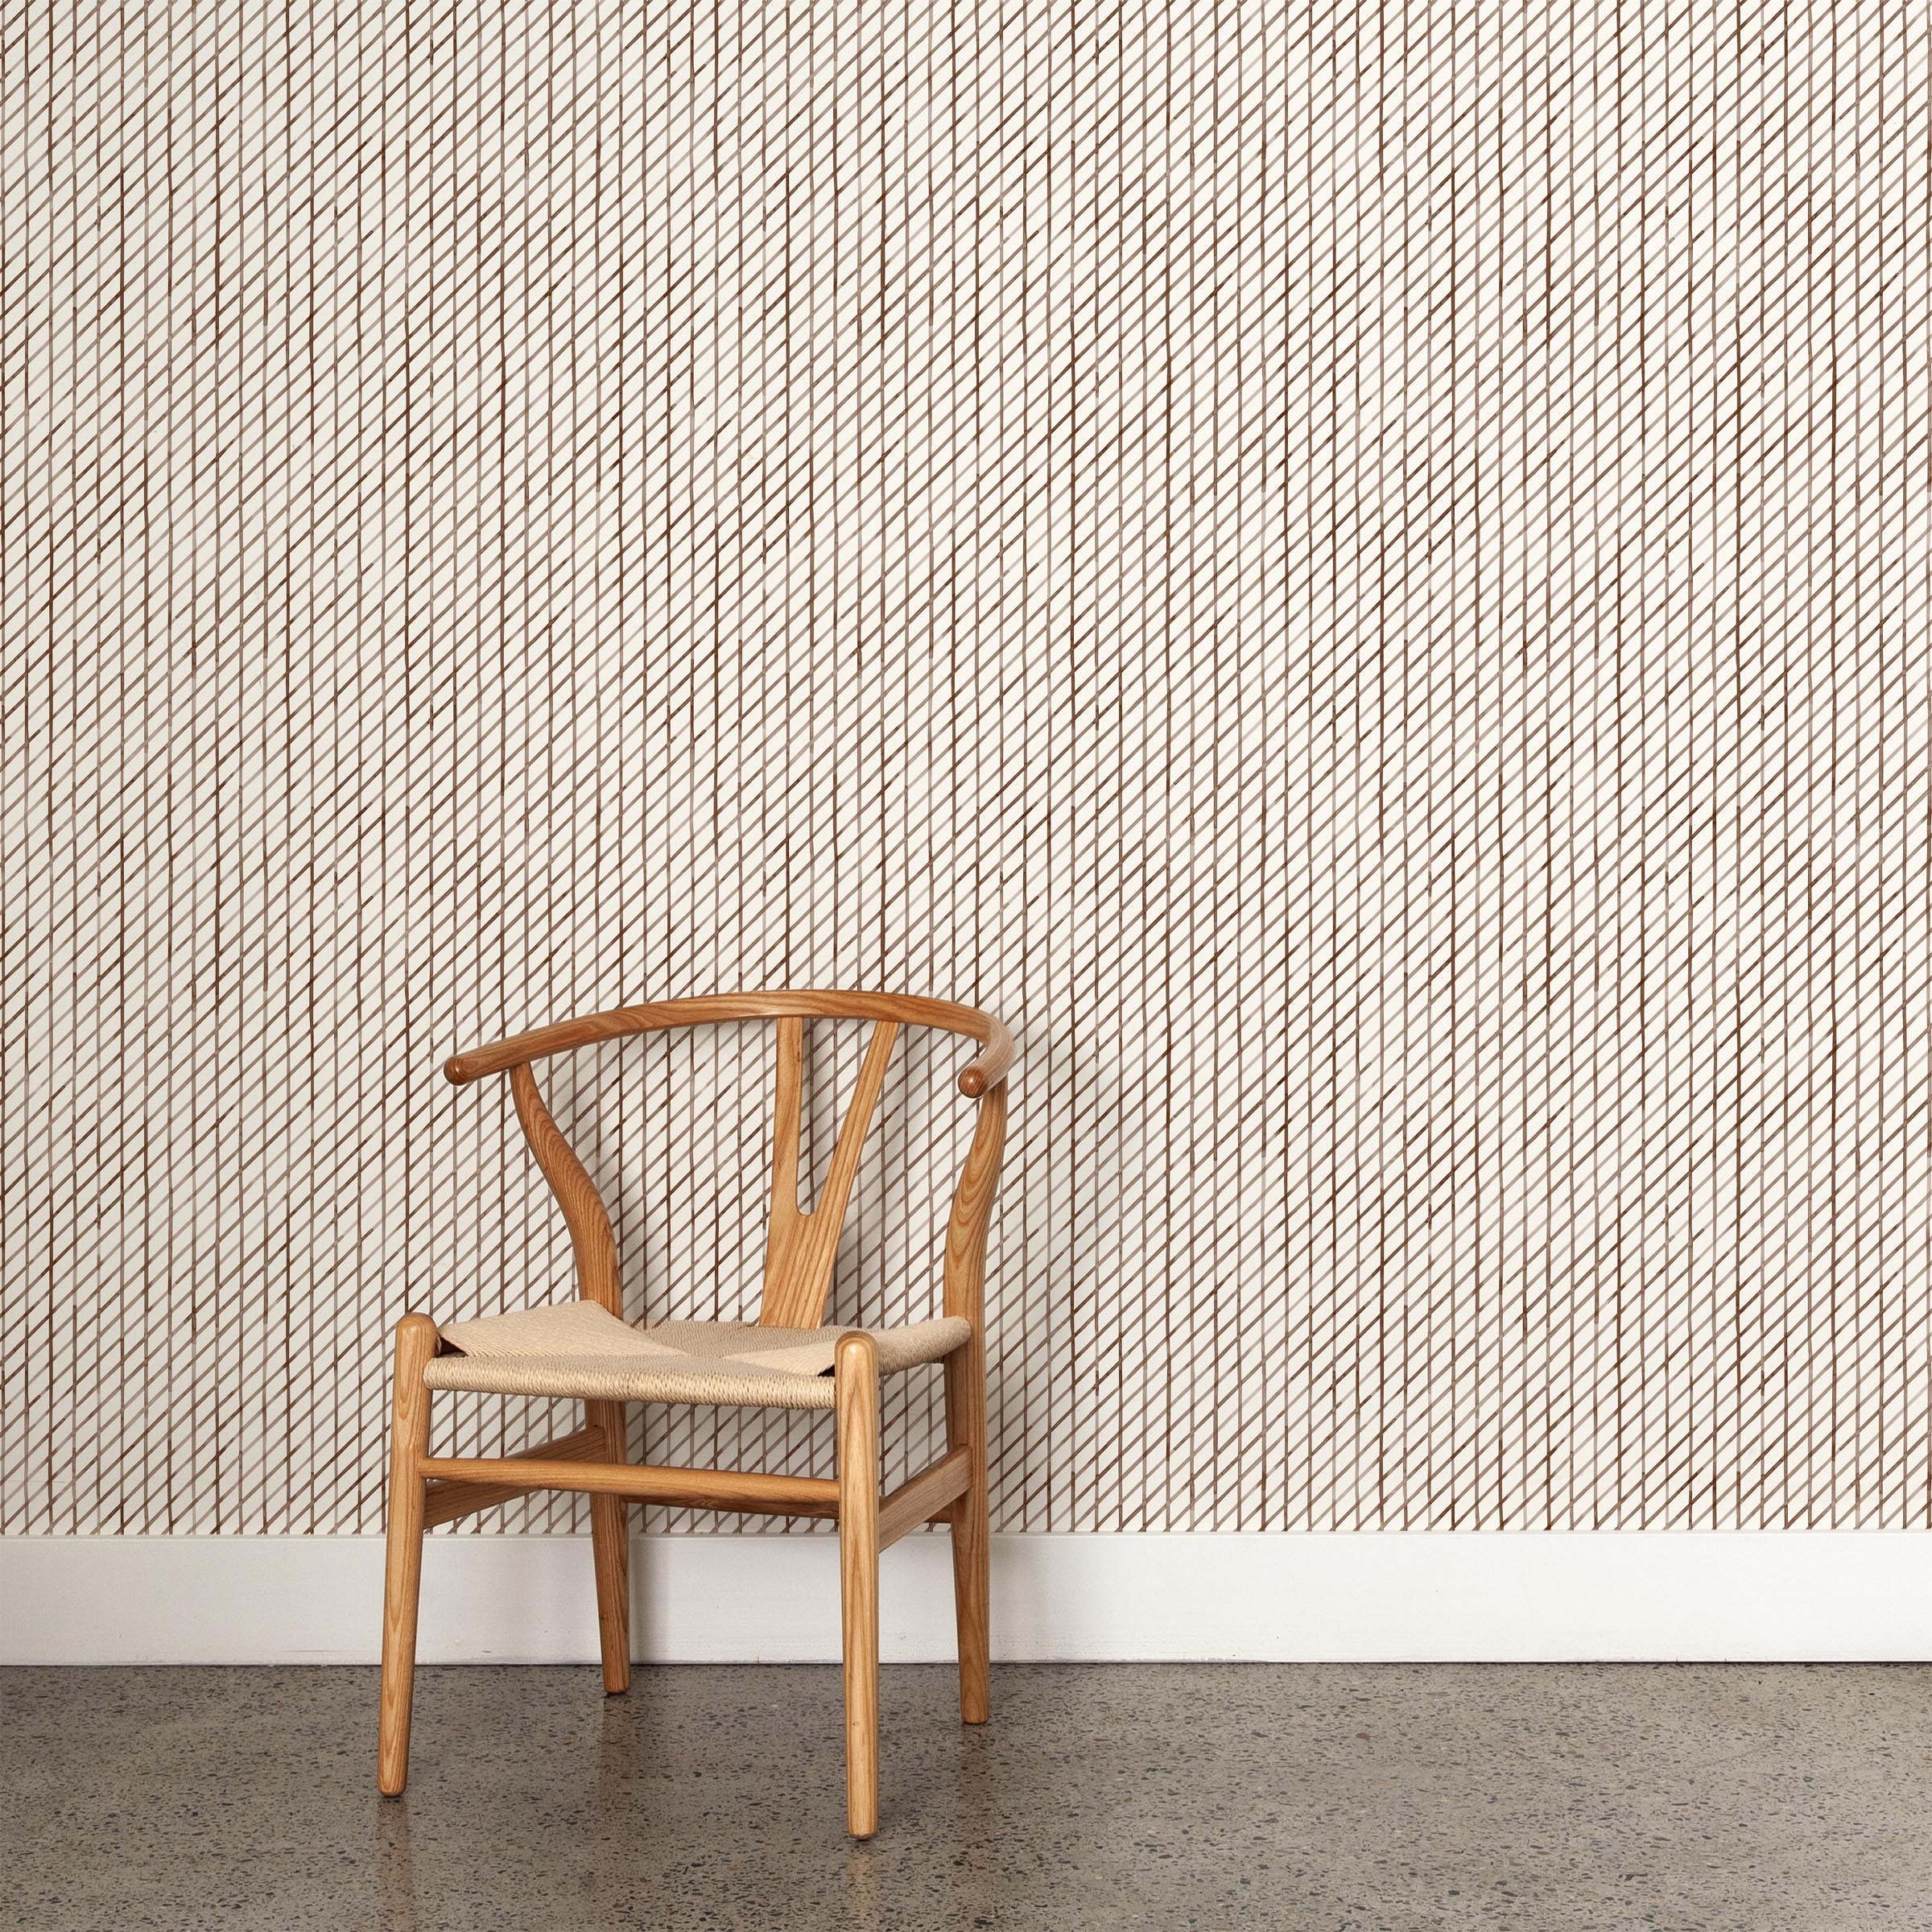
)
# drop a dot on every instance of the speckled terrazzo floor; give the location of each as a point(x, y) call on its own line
point(1740, 1799)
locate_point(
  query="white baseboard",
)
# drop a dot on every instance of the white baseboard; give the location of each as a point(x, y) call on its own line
point(1837, 1595)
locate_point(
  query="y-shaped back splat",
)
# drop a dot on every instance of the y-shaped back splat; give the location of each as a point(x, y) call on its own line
point(804, 1243)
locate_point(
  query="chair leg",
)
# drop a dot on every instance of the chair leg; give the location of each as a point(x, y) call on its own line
point(610, 1549)
point(416, 1342)
point(966, 1427)
point(856, 1397)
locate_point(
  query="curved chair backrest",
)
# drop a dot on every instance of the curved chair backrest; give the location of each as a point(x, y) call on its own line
point(804, 1242)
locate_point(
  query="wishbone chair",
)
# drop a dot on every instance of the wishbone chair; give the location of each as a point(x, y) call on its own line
point(584, 1349)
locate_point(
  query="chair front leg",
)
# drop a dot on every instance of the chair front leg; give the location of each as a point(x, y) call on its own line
point(416, 1344)
point(610, 1549)
point(855, 1400)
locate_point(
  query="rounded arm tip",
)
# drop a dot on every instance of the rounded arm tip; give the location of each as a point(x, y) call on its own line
point(981, 1075)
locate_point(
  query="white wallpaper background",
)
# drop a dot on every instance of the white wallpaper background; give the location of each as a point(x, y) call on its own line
point(1361, 577)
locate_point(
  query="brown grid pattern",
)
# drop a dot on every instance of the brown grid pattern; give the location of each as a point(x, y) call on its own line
point(1361, 576)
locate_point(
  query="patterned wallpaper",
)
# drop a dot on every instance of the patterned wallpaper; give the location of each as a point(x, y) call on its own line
point(1361, 576)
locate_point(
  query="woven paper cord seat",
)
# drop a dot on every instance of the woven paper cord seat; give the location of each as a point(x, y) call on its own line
point(578, 1348)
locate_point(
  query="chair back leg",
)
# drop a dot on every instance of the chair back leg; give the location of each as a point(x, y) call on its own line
point(610, 1549)
point(856, 1399)
point(966, 1428)
point(416, 1343)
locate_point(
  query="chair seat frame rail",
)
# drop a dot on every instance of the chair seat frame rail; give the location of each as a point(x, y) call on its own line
point(425, 1490)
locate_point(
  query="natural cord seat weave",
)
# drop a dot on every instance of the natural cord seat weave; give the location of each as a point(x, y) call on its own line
point(580, 1349)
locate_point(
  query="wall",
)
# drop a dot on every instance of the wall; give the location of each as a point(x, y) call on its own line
point(1361, 578)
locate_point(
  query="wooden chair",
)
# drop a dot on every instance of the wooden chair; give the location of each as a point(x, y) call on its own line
point(584, 1349)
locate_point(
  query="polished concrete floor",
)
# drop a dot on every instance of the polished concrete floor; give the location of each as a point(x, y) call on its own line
point(1685, 1798)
